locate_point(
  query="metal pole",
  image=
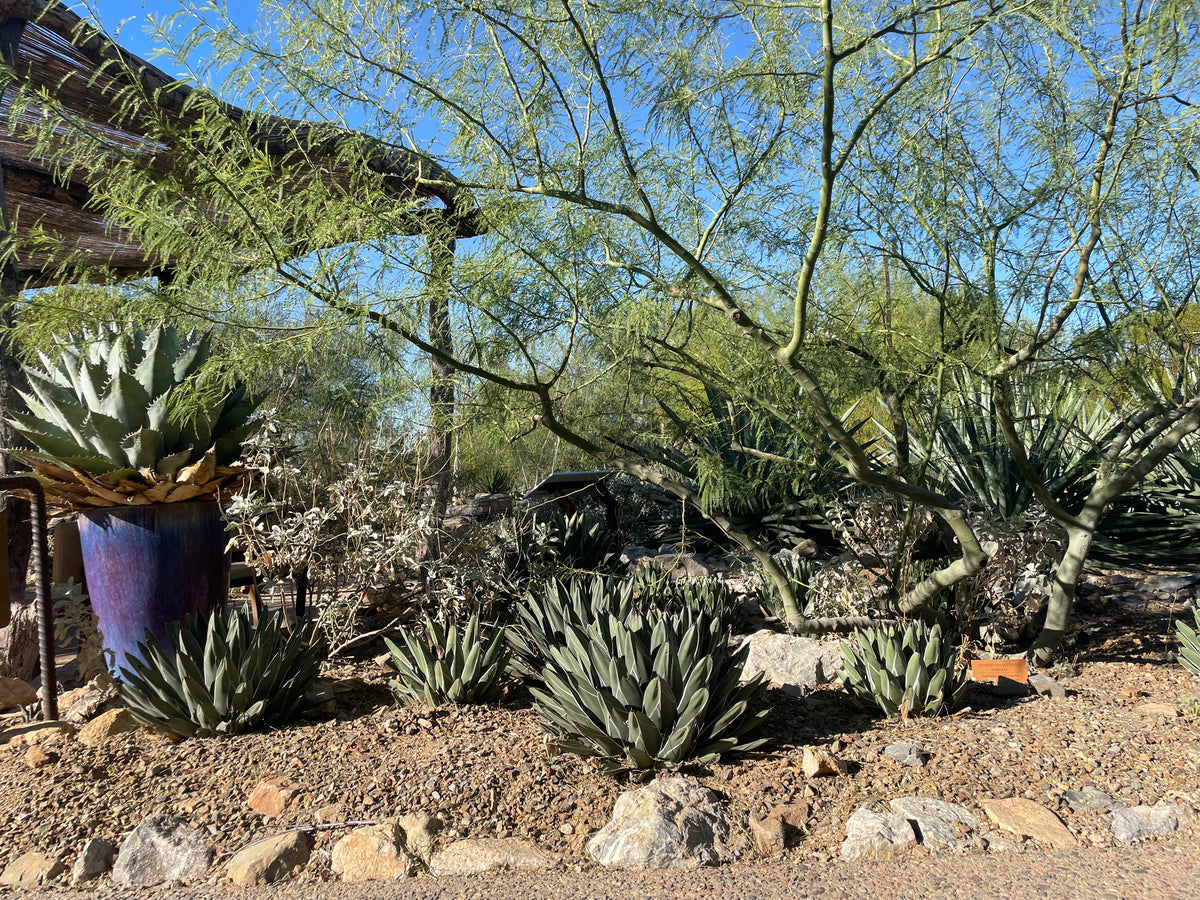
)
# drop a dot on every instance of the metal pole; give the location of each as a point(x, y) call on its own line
point(41, 578)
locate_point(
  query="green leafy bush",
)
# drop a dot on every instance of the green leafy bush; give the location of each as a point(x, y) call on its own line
point(647, 692)
point(450, 665)
point(221, 675)
point(1189, 643)
point(903, 670)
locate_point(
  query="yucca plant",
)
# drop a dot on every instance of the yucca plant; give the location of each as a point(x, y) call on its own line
point(107, 417)
point(220, 674)
point(1189, 643)
point(449, 665)
point(647, 691)
point(903, 670)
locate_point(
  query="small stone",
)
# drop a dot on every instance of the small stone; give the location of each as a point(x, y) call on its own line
point(906, 755)
point(270, 860)
point(1140, 822)
point(330, 814)
point(821, 764)
point(1165, 710)
point(161, 849)
point(105, 727)
point(1020, 816)
point(271, 796)
point(876, 835)
point(95, 858)
point(373, 853)
point(1047, 687)
point(37, 758)
point(1090, 799)
point(15, 693)
point(768, 835)
point(478, 856)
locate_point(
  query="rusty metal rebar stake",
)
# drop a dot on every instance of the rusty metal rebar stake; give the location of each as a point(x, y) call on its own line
point(41, 576)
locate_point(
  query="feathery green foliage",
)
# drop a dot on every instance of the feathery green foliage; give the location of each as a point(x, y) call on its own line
point(220, 675)
point(449, 665)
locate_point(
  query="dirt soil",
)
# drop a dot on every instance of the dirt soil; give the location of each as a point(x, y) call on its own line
point(485, 772)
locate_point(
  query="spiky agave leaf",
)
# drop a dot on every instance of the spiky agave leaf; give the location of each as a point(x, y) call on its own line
point(449, 665)
point(645, 691)
point(894, 668)
point(102, 421)
point(220, 675)
point(1189, 643)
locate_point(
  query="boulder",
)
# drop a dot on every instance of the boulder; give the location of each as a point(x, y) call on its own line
point(30, 870)
point(1019, 816)
point(271, 859)
point(161, 848)
point(669, 823)
point(15, 693)
point(95, 858)
point(373, 853)
point(105, 727)
point(1140, 822)
point(420, 834)
point(477, 856)
point(877, 835)
point(938, 824)
point(796, 664)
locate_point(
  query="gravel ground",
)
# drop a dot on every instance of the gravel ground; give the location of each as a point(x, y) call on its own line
point(485, 772)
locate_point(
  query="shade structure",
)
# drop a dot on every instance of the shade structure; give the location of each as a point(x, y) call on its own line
point(47, 48)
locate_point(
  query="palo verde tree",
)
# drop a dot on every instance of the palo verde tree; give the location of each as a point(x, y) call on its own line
point(651, 173)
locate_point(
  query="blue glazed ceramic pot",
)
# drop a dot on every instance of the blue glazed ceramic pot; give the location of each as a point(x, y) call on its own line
point(150, 565)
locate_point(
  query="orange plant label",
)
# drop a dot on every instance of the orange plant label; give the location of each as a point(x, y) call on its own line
point(995, 669)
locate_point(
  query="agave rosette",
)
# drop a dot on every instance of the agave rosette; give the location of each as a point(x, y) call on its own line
point(102, 416)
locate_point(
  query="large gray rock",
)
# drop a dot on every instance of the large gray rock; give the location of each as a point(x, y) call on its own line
point(95, 858)
point(1140, 822)
point(477, 856)
point(877, 835)
point(796, 664)
point(161, 848)
point(271, 859)
point(669, 823)
point(938, 824)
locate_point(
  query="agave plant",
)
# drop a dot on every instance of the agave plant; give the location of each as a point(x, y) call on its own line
point(449, 665)
point(647, 691)
point(1189, 643)
point(220, 675)
point(543, 616)
point(106, 416)
point(799, 574)
point(903, 670)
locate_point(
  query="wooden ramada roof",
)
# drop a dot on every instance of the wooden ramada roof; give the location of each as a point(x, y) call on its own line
point(45, 45)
